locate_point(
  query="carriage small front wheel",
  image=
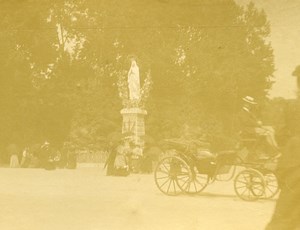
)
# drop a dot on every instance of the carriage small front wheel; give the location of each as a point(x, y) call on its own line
point(168, 172)
point(249, 185)
point(271, 184)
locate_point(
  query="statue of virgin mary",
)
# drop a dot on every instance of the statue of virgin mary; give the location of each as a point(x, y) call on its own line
point(134, 81)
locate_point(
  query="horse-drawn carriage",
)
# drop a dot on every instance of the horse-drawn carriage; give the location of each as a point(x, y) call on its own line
point(189, 168)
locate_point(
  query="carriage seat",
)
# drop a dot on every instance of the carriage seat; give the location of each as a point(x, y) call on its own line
point(204, 154)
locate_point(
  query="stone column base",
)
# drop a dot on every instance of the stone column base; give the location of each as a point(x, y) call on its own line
point(133, 122)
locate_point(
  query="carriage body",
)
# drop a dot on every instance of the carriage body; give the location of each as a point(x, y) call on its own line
point(191, 167)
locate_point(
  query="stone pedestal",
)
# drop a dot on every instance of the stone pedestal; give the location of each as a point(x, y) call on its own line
point(133, 122)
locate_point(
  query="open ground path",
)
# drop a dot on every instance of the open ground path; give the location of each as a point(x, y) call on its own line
point(86, 199)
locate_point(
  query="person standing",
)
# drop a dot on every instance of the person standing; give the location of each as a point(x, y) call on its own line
point(72, 157)
point(14, 159)
point(136, 158)
point(46, 158)
point(110, 161)
point(121, 166)
point(25, 158)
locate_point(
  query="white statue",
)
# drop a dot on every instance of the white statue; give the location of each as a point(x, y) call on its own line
point(134, 81)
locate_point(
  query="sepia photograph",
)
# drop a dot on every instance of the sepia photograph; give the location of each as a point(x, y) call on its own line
point(150, 115)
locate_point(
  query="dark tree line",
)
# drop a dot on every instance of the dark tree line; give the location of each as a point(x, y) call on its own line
point(60, 62)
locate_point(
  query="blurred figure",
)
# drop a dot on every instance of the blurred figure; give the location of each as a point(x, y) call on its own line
point(63, 155)
point(151, 156)
point(121, 167)
point(252, 127)
point(14, 161)
point(26, 158)
point(71, 157)
point(117, 161)
point(287, 210)
point(110, 161)
point(46, 158)
point(147, 160)
point(35, 152)
point(44, 154)
point(136, 158)
point(13, 152)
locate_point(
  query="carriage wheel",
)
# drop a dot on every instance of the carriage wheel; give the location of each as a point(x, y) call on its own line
point(195, 183)
point(167, 173)
point(249, 185)
point(271, 185)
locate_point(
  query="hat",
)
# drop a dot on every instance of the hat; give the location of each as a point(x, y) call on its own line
point(249, 100)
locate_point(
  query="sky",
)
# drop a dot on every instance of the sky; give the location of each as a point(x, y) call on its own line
point(284, 17)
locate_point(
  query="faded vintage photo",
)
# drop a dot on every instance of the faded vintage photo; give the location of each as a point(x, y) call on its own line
point(149, 115)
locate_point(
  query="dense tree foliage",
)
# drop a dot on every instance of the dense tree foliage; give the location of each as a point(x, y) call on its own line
point(60, 62)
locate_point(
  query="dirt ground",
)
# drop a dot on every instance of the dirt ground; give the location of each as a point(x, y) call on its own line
point(86, 199)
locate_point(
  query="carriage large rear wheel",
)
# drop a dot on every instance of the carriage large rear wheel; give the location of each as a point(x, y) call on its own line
point(170, 173)
point(249, 185)
point(195, 183)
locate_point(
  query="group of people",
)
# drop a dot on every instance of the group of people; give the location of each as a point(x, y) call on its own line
point(125, 157)
point(44, 156)
point(14, 160)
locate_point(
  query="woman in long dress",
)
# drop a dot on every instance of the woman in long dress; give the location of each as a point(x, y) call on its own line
point(14, 161)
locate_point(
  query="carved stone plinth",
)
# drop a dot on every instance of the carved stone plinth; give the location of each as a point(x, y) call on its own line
point(133, 122)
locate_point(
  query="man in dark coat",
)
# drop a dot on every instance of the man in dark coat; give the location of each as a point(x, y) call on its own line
point(247, 119)
point(252, 127)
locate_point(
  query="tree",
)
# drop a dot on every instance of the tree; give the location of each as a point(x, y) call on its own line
point(203, 56)
point(37, 73)
point(17, 93)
